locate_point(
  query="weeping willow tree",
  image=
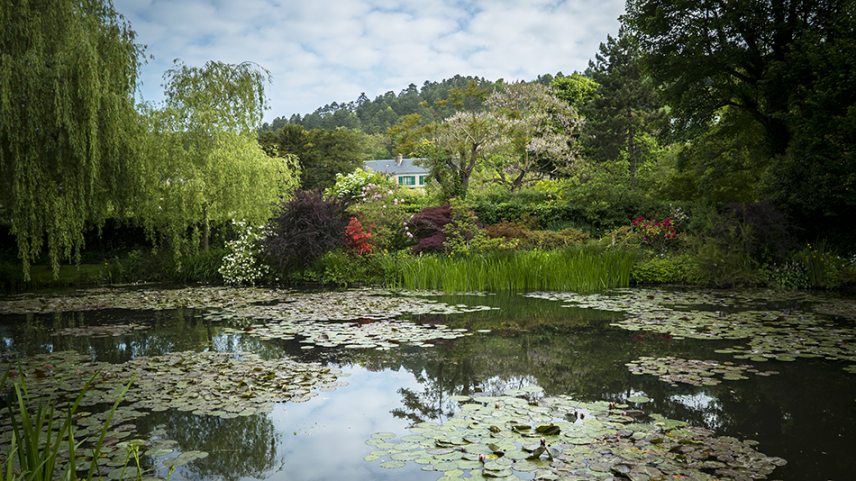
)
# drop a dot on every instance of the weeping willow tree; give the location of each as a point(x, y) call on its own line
point(202, 160)
point(68, 69)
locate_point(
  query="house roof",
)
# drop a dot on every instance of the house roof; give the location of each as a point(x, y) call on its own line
point(390, 166)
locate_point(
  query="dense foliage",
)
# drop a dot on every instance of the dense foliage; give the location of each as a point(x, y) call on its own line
point(714, 139)
point(307, 226)
point(68, 137)
point(431, 102)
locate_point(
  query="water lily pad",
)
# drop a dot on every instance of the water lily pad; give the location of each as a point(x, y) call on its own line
point(589, 449)
point(691, 371)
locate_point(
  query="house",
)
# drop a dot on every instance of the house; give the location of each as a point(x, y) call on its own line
point(404, 171)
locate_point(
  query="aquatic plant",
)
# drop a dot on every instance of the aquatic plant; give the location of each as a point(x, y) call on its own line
point(770, 333)
point(43, 444)
point(562, 438)
point(694, 372)
point(586, 269)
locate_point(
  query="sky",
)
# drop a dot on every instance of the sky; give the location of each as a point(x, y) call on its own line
point(321, 51)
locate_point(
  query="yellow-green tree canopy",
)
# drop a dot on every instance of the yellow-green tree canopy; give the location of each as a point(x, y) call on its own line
point(68, 69)
point(201, 159)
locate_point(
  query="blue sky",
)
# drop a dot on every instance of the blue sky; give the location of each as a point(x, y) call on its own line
point(320, 51)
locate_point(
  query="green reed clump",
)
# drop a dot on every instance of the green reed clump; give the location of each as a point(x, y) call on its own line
point(579, 269)
point(43, 446)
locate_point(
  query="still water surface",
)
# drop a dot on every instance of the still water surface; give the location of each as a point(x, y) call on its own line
point(806, 414)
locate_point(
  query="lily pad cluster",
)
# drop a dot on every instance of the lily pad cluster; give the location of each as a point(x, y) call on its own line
point(207, 383)
point(355, 319)
point(506, 437)
point(341, 306)
point(782, 334)
point(139, 299)
point(102, 330)
point(380, 335)
point(695, 372)
point(218, 384)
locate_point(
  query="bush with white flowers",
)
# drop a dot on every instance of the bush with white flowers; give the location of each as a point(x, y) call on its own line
point(242, 266)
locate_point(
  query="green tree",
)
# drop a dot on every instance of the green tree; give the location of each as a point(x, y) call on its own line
point(331, 152)
point(538, 130)
point(782, 68)
point(202, 160)
point(322, 153)
point(625, 113)
point(576, 89)
point(457, 147)
point(710, 55)
point(68, 70)
point(406, 134)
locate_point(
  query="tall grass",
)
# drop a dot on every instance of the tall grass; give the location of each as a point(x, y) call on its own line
point(579, 269)
point(43, 446)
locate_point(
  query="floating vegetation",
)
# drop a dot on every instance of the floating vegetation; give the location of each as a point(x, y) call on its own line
point(510, 438)
point(372, 334)
point(206, 383)
point(308, 316)
point(342, 306)
point(103, 330)
point(223, 385)
point(692, 371)
point(845, 308)
point(773, 334)
point(141, 299)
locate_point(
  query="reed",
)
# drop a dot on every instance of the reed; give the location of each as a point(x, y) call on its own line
point(578, 269)
point(43, 445)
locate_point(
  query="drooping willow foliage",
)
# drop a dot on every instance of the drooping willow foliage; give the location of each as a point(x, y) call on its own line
point(68, 69)
point(202, 161)
point(75, 150)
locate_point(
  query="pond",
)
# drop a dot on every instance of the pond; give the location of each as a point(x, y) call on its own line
point(374, 384)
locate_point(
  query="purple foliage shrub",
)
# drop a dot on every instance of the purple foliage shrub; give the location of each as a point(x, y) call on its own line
point(307, 227)
point(427, 227)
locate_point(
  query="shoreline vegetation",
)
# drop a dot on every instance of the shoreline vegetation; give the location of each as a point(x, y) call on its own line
point(582, 269)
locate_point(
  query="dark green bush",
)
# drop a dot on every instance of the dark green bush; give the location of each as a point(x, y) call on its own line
point(669, 269)
point(723, 265)
point(541, 239)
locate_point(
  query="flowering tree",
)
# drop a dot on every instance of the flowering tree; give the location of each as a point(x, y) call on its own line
point(539, 132)
point(458, 145)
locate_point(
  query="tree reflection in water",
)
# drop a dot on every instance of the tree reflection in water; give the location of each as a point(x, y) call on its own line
point(245, 446)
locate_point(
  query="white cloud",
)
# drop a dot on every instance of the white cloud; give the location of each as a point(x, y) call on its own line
point(331, 50)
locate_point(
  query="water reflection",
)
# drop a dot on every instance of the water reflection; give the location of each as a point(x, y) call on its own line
point(245, 446)
point(807, 414)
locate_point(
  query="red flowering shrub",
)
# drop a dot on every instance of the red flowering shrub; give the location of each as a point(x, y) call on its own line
point(657, 234)
point(357, 238)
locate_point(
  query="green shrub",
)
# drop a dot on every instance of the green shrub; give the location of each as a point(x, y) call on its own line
point(822, 267)
point(788, 275)
point(719, 265)
point(342, 269)
point(242, 264)
point(537, 239)
point(669, 269)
